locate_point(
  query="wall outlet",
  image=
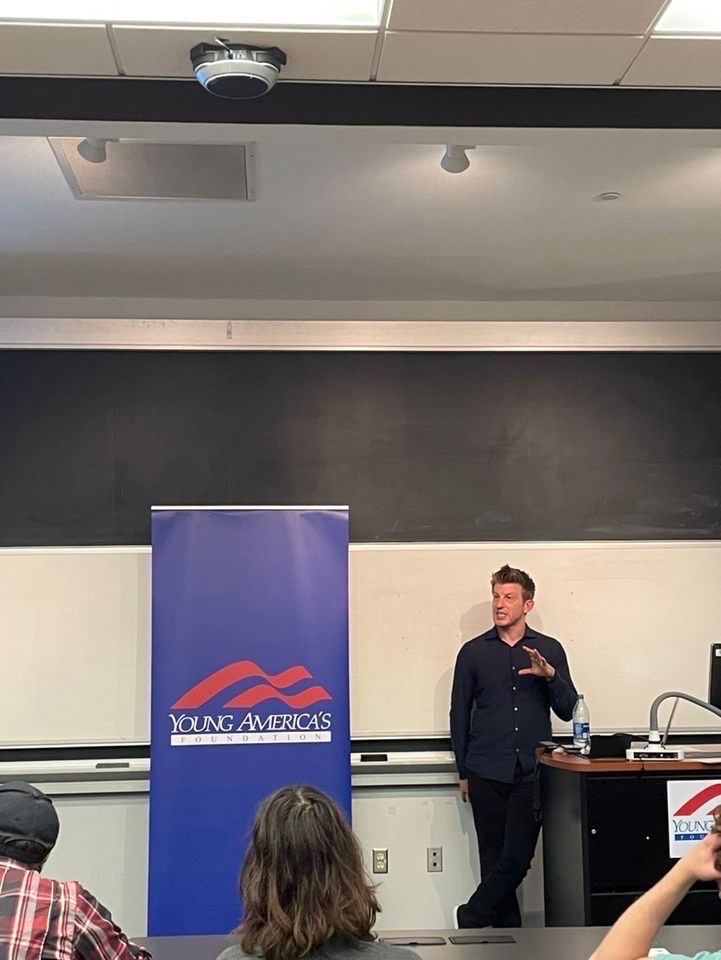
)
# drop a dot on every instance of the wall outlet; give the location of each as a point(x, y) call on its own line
point(380, 859)
point(434, 859)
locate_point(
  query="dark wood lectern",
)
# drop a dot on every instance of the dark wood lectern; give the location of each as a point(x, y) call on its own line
point(605, 838)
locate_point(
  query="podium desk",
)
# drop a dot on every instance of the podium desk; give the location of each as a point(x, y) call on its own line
point(531, 943)
point(605, 838)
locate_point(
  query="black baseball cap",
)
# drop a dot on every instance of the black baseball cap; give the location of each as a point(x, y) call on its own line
point(27, 814)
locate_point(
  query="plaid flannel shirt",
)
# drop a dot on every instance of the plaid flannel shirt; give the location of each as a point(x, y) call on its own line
point(43, 919)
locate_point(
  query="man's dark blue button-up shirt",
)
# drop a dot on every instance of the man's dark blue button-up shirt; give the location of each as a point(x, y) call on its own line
point(497, 717)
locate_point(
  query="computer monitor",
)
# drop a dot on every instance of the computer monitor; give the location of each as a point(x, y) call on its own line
point(714, 676)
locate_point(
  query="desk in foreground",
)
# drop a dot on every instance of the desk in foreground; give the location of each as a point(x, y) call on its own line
point(531, 943)
point(605, 838)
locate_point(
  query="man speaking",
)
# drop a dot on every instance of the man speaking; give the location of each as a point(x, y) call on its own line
point(505, 683)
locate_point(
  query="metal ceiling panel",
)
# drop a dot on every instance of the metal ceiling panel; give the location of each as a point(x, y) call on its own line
point(141, 170)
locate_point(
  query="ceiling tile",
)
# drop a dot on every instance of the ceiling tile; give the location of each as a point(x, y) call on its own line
point(56, 48)
point(312, 54)
point(526, 16)
point(504, 58)
point(677, 62)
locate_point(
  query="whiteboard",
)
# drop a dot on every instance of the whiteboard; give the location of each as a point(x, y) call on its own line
point(75, 645)
point(635, 619)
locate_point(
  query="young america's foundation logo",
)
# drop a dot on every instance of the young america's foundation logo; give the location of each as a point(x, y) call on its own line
point(192, 723)
point(690, 805)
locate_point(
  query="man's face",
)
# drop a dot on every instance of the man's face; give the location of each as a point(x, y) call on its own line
point(509, 607)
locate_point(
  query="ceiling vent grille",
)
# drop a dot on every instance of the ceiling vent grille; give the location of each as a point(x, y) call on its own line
point(141, 170)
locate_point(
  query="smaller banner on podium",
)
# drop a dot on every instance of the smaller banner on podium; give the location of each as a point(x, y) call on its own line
point(690, 803)
point(249, 691)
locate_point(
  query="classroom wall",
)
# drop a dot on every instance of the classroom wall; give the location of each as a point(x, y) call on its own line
point(570, 452)
point(636, 619)
point(104, 844)
point(469, 449)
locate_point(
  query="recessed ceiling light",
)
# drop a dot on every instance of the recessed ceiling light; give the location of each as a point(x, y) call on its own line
point(690, 17)
point(606, 196)
point(248, 13)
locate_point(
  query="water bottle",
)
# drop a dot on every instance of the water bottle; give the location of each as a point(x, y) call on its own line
point(581, 725)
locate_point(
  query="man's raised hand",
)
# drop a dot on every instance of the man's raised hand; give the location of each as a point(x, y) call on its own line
point(540, 667)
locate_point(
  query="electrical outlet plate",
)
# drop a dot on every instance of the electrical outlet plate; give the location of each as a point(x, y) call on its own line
point(434, 859)
point(380, 859)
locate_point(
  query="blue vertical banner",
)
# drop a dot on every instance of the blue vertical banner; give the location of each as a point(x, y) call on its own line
point(249, 691)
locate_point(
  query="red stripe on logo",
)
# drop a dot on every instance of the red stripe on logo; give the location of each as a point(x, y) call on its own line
point(230, 674)
point(255, 695)
point(698, 800)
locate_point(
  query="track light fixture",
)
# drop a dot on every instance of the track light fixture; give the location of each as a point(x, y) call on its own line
point(94, 149)
point(455, 159)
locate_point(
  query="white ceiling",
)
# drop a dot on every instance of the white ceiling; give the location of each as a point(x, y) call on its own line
point(350, 216)
point(541, 42)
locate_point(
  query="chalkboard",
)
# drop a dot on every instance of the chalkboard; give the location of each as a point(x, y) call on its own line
point(422, 446)
point(635, 619)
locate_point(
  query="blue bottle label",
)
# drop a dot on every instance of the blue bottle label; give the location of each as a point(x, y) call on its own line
point(580, 731)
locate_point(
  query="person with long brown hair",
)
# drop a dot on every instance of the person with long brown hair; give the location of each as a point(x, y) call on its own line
point(303, 886)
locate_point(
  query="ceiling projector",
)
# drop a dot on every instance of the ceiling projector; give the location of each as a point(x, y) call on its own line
point(236, 70)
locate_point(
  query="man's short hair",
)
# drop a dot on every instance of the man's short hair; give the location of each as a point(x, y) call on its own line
point(513, 575)
point(28, 823)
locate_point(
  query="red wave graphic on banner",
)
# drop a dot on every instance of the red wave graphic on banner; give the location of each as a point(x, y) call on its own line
point(230, 674)
point(255, 695)
point(698, 799)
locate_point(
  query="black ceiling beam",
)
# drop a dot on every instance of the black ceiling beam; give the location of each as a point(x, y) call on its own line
point(367, 104)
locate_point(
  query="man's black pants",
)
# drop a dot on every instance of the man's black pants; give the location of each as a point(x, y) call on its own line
point(507, 821)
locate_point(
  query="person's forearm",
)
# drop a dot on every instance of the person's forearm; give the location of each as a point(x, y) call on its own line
point(632, 934)
point(459, 744)
point(563, 696)
point(459, 720)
